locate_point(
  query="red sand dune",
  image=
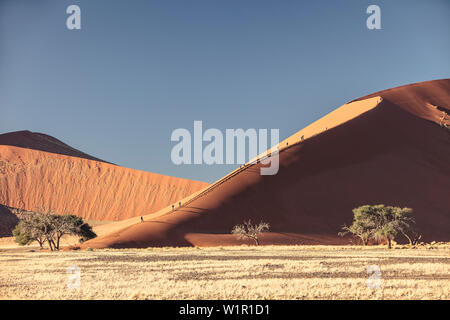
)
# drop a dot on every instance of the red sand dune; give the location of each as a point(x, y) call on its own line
point(40, 181)
point(386, 148)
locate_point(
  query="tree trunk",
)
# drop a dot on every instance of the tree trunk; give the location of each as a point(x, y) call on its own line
point(410, 241)
point(50, 244)
point(256, 241)
point(57, 242)
point(389, 243)
point(362, 241)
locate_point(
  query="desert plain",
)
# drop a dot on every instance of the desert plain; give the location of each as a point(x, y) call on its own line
point(235, 272)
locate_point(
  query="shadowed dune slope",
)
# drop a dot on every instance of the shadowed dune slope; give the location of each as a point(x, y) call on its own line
point(384, 148)
point(40, 181)
point(8, 221)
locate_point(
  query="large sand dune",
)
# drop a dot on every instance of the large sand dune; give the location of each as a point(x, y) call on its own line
point(390, 147)
point(41, 181)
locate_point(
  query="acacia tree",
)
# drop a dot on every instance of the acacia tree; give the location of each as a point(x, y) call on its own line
point(249, 231)
point(380, 222)
point(51, 228)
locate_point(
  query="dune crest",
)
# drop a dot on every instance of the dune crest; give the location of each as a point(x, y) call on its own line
point(43, 142)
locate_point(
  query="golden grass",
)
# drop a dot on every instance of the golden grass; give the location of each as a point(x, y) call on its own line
point(266, 272)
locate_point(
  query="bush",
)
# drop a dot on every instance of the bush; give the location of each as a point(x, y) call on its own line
point(249, 231)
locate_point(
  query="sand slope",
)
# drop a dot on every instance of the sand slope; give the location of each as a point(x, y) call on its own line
point(36, 180)
point(384, 148)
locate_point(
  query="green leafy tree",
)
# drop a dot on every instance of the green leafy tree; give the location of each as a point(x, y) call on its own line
point(51, 228)
point(379, 222)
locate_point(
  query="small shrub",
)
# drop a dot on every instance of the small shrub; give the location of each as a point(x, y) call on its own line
point(249, 231)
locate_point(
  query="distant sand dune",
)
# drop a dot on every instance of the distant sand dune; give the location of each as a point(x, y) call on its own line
point(37, 180)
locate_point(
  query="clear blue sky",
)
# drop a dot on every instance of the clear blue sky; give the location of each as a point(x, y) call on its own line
point(137, 70)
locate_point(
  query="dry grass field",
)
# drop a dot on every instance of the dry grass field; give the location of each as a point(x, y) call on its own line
point(246, 272)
